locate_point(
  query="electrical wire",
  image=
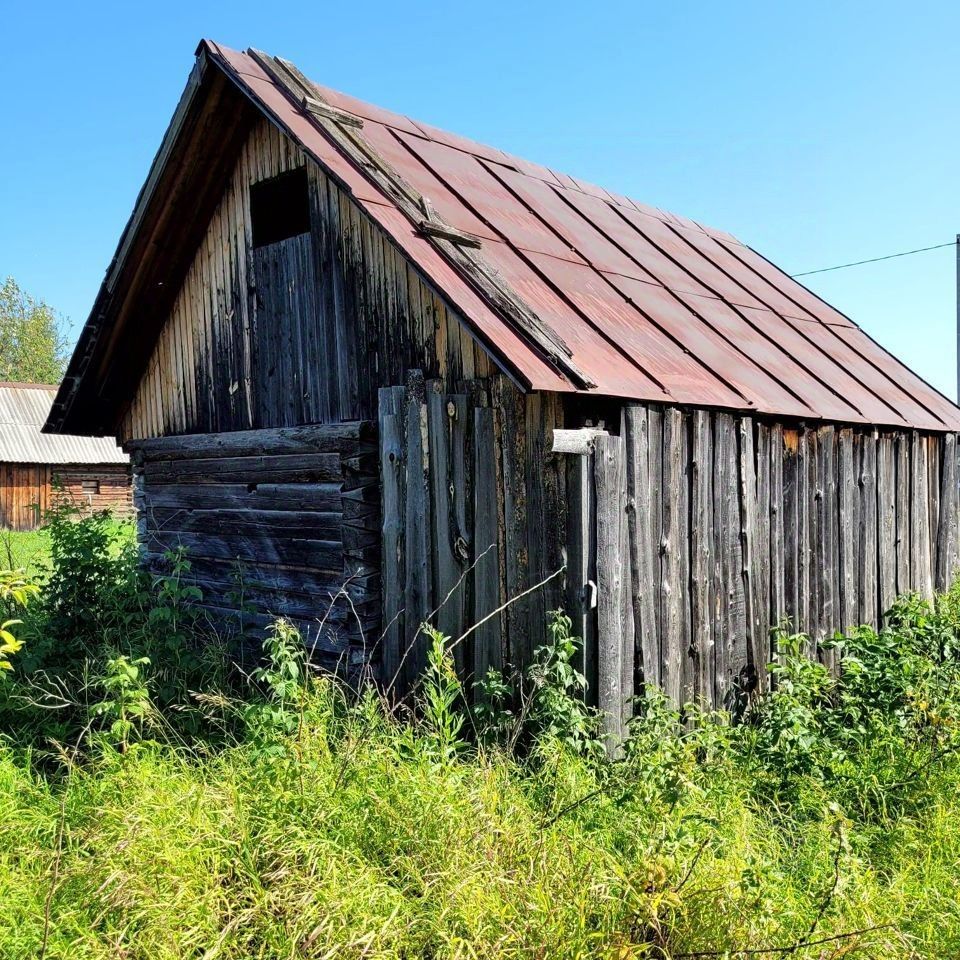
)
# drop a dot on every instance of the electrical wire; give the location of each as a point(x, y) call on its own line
point(890, 256)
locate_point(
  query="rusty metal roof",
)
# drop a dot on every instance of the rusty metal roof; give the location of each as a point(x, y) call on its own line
point(653, 306)
point(24, 408)
point(640, 303)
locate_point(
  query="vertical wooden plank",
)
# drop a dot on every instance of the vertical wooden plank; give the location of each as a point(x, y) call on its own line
point(920, 566)
point(869, 572)
point(418, 587)
point(449, 551)
point(581, 564)
point(488, 638)
point(848, 524)
point(701, 557)
point(790, 517)
point(827, 532)
point(510, 407)
point(904, 550)
point(393, 493)
point(748, 539)
point(934, 444)
point(886, 522)
point(654, 639)
point(612, 581)
point(644, 561)
point(947, 534)
point(778, 586)
point(672, 586)
point(762, 568)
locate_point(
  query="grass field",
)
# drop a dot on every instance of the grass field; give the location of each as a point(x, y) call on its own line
point(154, 803)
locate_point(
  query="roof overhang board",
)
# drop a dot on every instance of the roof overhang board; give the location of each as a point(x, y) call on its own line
point(164, 231)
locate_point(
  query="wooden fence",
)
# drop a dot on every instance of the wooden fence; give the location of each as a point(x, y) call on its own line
point(473, 517)
point(684, 536)
point(711, 529)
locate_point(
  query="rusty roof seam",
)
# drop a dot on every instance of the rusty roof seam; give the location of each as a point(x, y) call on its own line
point(733, 307)
point(646, 315)
point(830, 327)
point(791, 321)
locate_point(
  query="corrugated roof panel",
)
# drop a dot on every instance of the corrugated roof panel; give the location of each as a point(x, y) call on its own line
point(725, 361)
point(622, 374)
point(775, 354)
point(418, 175)
point(23, 411)
point(577, 233)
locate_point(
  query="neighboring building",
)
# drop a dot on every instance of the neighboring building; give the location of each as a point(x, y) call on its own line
point(346, 346)
point(92, 472)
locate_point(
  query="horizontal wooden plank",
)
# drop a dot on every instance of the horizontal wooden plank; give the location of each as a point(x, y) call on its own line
point(318, 554)
point(287, 468)
point(285, 578)
point(312, 438)
point(242, 496)
point(300, 524)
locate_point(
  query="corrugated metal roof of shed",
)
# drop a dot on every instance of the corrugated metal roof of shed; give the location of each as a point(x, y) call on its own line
point(23, 411)
point(653, 305)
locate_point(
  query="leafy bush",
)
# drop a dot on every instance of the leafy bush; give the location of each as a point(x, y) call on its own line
point(302, 817)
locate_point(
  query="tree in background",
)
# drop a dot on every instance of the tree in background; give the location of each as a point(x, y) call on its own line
point(33, 343)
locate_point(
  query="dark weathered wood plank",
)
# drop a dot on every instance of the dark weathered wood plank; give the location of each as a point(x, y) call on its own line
point(869, 534)
point(488, 638)
point(309, 438)
point(848, 481)
point(287, 468)
point(612, 581)
point(920, 553)
point(672, 581)
point(886, 522)
point(393, 480)
point(644, 560)
point(702, 557)
point(948, 536)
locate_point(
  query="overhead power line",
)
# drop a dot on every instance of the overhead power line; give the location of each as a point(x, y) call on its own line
point(889, 256)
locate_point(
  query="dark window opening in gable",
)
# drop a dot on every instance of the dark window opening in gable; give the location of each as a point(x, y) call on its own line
point(280, 207)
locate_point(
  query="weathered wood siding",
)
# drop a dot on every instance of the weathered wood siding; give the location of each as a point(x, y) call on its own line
point(279, 522)
point(474, 515)
point(24, 495)
point(303, 330)
point(736, 525)
point(92, 488)
point(28, 490)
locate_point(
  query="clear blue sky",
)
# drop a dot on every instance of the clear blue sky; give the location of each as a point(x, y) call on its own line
point(818, 133)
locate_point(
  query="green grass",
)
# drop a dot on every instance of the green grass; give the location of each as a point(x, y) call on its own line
point(354, 841)
point(28, 550)
point(161, 810)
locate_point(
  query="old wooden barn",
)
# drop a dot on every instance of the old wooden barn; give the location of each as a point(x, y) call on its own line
point(93, 473)
point(356, 356)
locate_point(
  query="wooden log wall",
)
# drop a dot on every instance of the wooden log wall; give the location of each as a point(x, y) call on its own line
point(278, 522)
point(28, 490)
point(299, 331)
point(474, 514)
point(713, 528)
point(93, 488)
